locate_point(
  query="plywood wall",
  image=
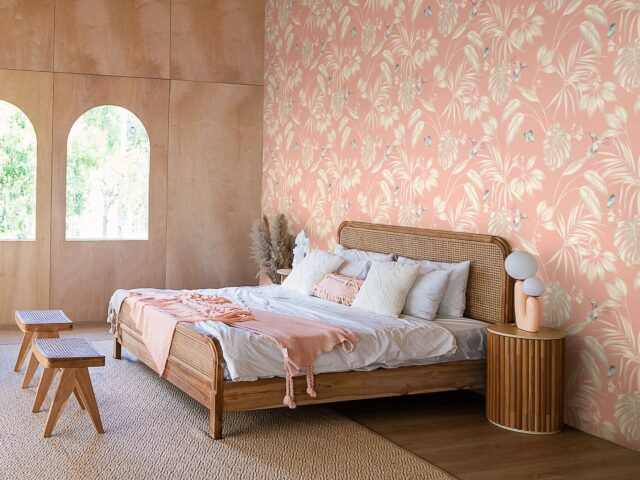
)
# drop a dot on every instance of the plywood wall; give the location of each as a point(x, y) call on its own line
point(27, 34)
point(113, 37)
point(84, 274)
point(149, 56)
point(24, 265)
point(213, 128)
point(232, 52)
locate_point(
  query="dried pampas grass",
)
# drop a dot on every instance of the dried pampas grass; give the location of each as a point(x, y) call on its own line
point(272, 246)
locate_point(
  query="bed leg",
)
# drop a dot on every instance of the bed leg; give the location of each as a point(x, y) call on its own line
point(117, 349)
point(216, 406)
point(215, 423)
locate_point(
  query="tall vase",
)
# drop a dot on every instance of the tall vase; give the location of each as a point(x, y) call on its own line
point(528, 309)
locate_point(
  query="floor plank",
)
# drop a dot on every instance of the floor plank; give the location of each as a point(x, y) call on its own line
point(451, 431)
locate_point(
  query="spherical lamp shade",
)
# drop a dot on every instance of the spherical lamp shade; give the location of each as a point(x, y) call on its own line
point(533, 287)
point(521, 265)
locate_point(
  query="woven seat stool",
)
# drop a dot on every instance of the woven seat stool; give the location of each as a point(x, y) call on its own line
point(37, 324)
point(73, 357)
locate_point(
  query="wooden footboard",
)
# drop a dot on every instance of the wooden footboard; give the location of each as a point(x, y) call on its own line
point(196, 366)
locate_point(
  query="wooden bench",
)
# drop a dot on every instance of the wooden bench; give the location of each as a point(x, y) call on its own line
point(37, 324)
point(73, 357)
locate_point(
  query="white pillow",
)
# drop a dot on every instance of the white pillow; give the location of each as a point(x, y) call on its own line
point(385, 289)
point(311, 269)
point(359, 261)
point(426, 293)
point(455, 298)
point(356, 255)
point(357, 270)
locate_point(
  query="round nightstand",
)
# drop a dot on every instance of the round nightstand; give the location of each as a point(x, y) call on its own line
point(284, 273)
point(525, 378)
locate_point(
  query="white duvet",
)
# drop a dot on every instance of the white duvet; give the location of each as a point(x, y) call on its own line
point(382, 341)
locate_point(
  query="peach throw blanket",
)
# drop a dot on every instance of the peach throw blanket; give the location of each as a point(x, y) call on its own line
point(301, 341)
point(157, 315)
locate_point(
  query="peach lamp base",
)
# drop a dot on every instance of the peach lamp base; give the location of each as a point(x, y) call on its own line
point(528, 309)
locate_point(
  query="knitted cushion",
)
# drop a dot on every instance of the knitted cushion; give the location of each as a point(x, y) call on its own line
point(337, 288)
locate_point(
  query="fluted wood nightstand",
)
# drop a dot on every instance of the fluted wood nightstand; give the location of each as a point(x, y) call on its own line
point(525, 375)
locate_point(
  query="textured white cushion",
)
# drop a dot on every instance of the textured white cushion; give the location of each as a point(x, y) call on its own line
point(311, 270)
point(359, 261)
point(386, 287)
point(426, 293)
point(455, 298)
point(357, 270)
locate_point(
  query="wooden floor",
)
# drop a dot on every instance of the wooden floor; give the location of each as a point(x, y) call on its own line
point(450, 430)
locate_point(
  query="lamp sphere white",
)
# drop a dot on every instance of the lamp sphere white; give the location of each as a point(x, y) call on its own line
point(521, 265)
point(533, 287)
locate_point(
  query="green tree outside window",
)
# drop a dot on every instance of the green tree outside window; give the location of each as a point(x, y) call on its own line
point(18, 151)
point(108, 153)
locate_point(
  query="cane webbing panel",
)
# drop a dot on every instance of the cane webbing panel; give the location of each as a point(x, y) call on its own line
point(42, 317)
point(67, 348)
point(489, 296)
point(187, 345)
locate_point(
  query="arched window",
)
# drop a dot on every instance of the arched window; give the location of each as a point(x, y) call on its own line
point(108, 176)
point(18, 152)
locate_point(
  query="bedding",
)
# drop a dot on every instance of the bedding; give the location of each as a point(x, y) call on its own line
point(311, 270)
point(337, 288)
point(156, 317)
point(426, 293)
point(355, 269)
point(386, 287)
point(454, 301)
point(383, 341)
point(300, 341)
point(358, 262)
point(355, 255)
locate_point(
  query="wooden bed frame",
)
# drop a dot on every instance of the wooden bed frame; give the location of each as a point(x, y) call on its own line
point(196, 361)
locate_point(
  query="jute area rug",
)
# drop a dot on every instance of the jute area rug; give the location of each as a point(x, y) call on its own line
point(155, 431)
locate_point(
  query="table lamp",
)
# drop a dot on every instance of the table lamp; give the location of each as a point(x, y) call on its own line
point(522, 267)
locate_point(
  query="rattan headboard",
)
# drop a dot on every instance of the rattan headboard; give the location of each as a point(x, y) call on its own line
point(489, 291)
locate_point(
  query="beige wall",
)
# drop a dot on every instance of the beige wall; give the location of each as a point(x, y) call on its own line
point(192, 72)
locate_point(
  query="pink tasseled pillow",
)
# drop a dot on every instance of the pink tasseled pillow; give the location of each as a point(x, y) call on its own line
point(337, 288)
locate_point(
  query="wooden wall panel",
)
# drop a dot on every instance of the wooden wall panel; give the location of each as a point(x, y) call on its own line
point(215, 163)
point(24, 265)
point(113, 37)
point(84, 274)
point(218, 40)
point(27, 34)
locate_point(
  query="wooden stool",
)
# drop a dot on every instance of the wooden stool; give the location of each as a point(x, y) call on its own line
point(72, 356)
point(37, 324)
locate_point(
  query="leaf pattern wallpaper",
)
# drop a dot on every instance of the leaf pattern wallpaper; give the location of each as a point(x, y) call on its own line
point(519, 119)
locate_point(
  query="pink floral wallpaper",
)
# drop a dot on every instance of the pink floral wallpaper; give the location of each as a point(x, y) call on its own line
point(520, 119)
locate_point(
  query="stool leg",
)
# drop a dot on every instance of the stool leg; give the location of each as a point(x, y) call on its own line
point(63, 391)
point(30, 372)
point(24, 349)
point(88, 397)
point(76, 394)
point(45, 382)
